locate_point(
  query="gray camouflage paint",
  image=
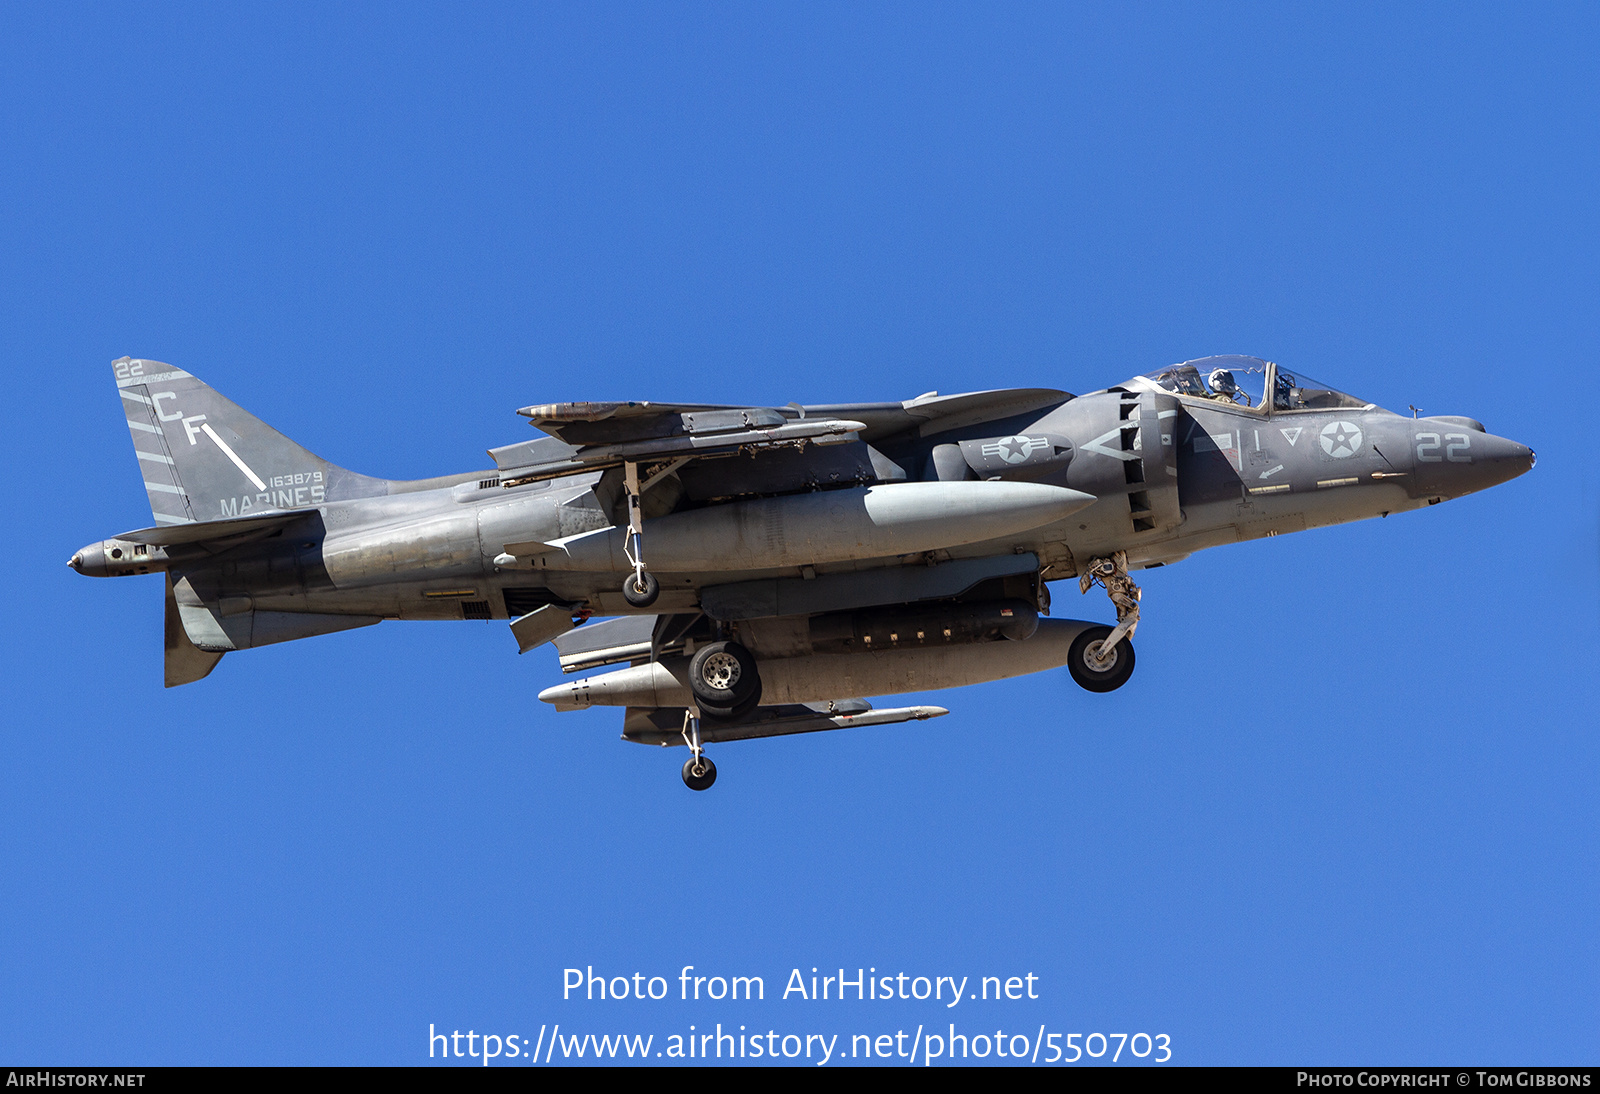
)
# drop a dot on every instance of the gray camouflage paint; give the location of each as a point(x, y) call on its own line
point(264, 542)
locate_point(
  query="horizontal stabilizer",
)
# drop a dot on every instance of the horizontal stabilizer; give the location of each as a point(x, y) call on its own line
point(207, 531)
point(664, 725)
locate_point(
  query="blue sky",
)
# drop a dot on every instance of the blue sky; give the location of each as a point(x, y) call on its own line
point(1343, 813)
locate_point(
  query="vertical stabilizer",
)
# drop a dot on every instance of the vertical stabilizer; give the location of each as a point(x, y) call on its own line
point(204, 458)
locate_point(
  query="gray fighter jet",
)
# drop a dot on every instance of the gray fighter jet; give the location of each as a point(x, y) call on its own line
point(770, 566)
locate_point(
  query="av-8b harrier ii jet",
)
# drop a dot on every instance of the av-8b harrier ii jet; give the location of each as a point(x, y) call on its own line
point(770, 567)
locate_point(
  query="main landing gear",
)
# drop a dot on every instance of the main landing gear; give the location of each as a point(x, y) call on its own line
point(1101, 658)
point(724, 680)
point(726, 686)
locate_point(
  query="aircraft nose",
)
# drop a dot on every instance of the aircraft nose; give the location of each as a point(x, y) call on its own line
point(1502, 461)
point(1473, 461)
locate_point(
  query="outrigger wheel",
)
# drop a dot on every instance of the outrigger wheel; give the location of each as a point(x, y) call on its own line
point(699, 774)
point(724, 680)
point(641, 589)
point(1099, 671)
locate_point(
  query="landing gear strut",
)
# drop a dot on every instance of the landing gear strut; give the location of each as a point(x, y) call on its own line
point(698, 770)
point(642, 587)
point(1101, 659)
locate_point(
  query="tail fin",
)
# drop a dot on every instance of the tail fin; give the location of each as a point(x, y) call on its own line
point(204, 458)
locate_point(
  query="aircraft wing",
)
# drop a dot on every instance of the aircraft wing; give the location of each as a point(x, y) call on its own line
point(934, 413)
point(612, 423)
point(597, 435)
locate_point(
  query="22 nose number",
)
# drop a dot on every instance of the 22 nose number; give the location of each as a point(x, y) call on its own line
point(1455, 445)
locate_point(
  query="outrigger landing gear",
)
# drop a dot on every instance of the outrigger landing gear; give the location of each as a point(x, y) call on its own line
point(641, 588)
point(1102, 658)
point(698, 770)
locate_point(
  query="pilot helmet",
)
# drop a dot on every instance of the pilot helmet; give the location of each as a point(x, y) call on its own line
point(1222, 382)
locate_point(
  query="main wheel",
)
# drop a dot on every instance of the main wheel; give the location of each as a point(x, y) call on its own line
point(734, 714)
point(701, 777)
point(1108, 675)
point(641, 594)
point(723, 676)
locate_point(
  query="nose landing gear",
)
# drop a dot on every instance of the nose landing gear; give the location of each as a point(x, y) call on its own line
point(1102, 657)
point(1097, 666)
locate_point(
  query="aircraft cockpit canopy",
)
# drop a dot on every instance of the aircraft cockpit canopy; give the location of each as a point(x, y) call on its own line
point(1297, 391)
point(1243, 382)
point(1234, 379)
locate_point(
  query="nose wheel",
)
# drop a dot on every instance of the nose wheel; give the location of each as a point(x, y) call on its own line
point(1101, 658)
point(1095, 666)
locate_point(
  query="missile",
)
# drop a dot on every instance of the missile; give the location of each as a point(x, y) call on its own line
point(813, 678)
point(822, 527)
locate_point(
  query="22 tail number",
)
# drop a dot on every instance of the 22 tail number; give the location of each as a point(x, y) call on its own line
point(1455, 447)
point(1161, 1044)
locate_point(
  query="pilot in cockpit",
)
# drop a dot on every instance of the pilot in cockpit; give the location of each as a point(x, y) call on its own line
point(1224, 388)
